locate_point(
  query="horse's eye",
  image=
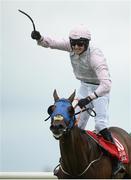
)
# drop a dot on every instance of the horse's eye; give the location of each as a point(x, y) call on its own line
point(71, 110)
point(51, 109)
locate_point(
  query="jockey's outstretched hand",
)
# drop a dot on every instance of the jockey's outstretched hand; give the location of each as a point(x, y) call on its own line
point(83, 102)
point(35, 35)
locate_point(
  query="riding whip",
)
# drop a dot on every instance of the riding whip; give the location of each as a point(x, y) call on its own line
point(29, 18)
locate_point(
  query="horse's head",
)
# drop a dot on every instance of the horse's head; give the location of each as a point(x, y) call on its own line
point(62, 115)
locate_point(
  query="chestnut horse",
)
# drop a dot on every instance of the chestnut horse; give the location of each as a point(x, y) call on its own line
point(81, 156)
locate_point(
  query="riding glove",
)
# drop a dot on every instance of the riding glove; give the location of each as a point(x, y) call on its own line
point(83, 102)
point(35, 35)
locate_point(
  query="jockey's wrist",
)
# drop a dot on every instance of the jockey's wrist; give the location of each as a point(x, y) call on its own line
point(89, 98)
point(41, 39)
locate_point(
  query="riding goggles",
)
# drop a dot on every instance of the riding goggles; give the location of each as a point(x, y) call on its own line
point(80, 42)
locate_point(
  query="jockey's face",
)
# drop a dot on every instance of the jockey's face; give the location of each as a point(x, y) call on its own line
point(78, 49)
point(78, 45)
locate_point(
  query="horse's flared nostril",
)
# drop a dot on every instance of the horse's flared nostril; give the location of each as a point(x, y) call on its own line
point(61, 126)
point(55, 127)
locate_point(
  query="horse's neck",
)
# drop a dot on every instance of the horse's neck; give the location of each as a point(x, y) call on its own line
point(74, 149)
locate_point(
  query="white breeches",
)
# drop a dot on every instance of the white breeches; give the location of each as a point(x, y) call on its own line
point(100, 106)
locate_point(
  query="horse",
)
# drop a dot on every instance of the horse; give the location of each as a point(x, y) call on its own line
point(81, 156)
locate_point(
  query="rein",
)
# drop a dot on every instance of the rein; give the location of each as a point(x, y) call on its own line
point(85, 170)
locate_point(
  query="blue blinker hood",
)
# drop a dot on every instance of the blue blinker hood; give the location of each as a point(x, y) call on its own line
point(61, 108)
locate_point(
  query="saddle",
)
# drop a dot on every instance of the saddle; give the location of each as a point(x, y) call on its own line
point(115, 150)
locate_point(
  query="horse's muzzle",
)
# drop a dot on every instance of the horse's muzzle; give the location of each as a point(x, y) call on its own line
point(58, 126)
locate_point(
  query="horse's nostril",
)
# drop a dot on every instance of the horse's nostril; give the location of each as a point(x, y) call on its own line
point(56, 127)
point(60, 126)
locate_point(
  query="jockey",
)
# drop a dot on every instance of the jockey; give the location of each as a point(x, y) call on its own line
point(90, 67)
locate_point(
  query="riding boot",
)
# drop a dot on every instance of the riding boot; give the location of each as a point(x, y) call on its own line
point(117, 164)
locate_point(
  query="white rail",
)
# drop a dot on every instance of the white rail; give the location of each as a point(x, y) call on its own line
point(27, 175)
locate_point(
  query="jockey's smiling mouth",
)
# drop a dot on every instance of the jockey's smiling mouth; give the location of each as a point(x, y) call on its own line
point(78, 49)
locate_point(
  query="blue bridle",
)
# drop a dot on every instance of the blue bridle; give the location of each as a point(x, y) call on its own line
point(62, 108)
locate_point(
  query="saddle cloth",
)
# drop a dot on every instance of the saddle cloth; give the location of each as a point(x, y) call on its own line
point(116, 149)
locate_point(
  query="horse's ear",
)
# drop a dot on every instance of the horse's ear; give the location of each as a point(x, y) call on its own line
point(71, 98)
point(55, 95)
